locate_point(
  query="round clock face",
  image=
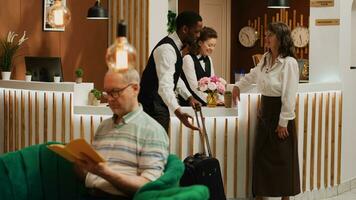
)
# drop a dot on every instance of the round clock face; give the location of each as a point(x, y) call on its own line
point(300, 36)
point(248, 36)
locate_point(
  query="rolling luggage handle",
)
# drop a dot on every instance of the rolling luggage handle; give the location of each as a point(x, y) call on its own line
point(203, 133)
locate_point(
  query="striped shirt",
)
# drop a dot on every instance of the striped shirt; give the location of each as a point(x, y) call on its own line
point(137, 146)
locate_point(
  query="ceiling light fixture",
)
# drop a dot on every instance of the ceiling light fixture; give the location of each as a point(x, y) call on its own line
point(97, 11)
point(278, 4)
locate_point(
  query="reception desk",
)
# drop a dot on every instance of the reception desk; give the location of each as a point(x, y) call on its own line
point(33, 113)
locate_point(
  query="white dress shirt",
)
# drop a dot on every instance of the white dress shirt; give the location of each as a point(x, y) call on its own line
point(189, 71)
point(277, 80)
point(165, 58)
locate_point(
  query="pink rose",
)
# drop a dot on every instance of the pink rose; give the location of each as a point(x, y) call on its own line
point(203, 88)
point(204, 81)
point(212, 86)
point(214, 79)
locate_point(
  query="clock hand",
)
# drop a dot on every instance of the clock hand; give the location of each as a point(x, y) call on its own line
point(248, 38)
point(300, 37)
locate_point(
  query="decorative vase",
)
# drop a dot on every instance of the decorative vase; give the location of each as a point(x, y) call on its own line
point(28, 78)
point(96, 102)
point(5, 75)
point(212, 99)
point(91, 98)
point(79, 80)
point(56, 79)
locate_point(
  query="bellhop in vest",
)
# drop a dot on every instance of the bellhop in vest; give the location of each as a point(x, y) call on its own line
point(160, 78)
point(150, 99)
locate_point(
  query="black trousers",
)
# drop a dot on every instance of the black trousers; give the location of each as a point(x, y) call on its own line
point(158, 111)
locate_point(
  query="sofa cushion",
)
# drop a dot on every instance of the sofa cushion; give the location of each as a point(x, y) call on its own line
point(14, 165)
point(6, 188)
point(31, 161)
point(167, 186)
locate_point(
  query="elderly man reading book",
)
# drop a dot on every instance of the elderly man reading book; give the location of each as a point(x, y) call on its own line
point(133, 144)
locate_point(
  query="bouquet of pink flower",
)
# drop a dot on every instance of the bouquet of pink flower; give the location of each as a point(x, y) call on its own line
point(212, 84)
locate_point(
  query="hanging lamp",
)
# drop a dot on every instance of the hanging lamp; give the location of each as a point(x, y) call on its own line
point(97, 11)
point(278, 4)
point(121, 55)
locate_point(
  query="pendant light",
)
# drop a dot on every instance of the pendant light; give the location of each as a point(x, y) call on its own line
point(278, 4)
point(97, 11)
point(58, 15)
point(121, 55)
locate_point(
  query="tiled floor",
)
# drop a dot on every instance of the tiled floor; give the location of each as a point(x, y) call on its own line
point(351, 195)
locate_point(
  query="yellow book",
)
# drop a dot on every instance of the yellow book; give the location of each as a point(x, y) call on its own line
point(74, 149)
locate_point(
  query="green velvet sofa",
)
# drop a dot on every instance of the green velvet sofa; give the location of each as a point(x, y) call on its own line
point(36, 172)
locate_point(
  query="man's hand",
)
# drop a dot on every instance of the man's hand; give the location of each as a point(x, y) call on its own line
point(193, 102)
point(184, 118)
point(91, 166)
point(282, 132)
point(128, 184)
point(235, 94)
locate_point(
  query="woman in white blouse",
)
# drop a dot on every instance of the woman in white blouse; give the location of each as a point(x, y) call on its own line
point(275, 162)
point(198, 64)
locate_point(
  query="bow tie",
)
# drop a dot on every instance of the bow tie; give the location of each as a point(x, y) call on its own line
point(204, 58)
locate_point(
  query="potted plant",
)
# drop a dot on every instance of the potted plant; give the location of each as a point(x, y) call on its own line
point(57, 78)
point(8, 48)
point(94, 97)
point(79, 75)
point(171, 21)
point(28, 76)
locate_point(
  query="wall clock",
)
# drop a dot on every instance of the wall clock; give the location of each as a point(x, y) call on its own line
point(248, 36)
point(300, 36)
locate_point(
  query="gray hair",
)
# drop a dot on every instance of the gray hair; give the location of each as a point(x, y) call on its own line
point(129, 76)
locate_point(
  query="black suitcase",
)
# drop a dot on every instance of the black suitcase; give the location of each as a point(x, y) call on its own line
point(204, 169)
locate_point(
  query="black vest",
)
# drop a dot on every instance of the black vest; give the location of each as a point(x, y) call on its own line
point(200, 73)
point(148, 96)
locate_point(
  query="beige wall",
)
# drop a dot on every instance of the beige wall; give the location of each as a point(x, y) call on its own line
point(216, 14)
point(83, 43)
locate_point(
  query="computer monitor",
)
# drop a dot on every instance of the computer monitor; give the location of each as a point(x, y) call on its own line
point(44, 68)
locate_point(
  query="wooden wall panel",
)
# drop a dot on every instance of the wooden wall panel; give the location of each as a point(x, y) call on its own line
point(241, 13)
point(83, 43)
point(192, 5)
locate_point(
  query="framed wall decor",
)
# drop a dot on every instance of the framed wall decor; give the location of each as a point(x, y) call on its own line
point(46, 5)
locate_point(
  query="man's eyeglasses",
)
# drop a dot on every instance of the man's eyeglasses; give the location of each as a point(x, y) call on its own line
point(116, 92)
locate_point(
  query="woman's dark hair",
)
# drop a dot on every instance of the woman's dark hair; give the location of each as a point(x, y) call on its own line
point(187, 18)
point(205, 34)
point(283, 34)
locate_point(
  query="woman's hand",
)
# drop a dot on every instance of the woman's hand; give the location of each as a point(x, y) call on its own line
point(235, 94)
point(282, 132)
